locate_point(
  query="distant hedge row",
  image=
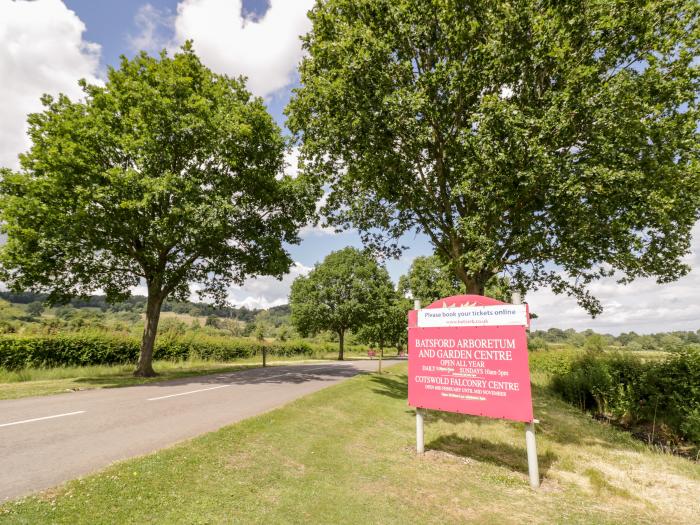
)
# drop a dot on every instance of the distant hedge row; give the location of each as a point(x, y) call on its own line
point(75, 350)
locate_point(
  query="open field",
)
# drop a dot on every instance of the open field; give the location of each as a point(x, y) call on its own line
point(345, 455)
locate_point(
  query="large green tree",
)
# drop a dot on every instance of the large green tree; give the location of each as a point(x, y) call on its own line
point(167, 175)
point(553, 141)
point(340, 294)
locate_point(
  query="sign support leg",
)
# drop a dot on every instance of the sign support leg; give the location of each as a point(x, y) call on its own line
point(420, 440)
point(532, 465)
point(420, 436)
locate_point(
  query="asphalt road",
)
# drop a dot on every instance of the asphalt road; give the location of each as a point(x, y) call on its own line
point(45, 441)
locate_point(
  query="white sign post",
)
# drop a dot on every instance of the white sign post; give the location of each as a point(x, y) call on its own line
point(420, 439)
point(533, 468)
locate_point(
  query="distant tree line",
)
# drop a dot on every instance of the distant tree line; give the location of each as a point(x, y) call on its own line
point(663, 341)
point(137, 303)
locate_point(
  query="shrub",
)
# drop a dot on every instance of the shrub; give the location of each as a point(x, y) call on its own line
point(670, 392)
point(554, 362)
point(26, 352)
point(631, 391)
point(594, 343)
point(35, 309)
point(7, 327)
point(586, 384)
point(537, 343)
point(81, 350)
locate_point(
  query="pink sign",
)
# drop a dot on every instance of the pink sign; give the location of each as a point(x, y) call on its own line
point(460, 359)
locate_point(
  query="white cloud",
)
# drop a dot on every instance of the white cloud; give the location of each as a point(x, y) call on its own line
point(643, 306)
point(260, 292)
point(264, 292)
point(291, 161)
point(506, 92)
point(155, 28)
point(41, 51)
point(318, 229)
point(266, 50)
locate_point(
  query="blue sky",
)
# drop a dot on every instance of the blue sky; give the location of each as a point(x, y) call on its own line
point(114, 25)
point(47, 45)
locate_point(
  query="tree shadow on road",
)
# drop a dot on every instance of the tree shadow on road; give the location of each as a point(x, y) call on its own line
point(286, 374)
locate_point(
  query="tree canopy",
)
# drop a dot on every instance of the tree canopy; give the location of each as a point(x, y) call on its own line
point(388, 326)
point(556, 142)
point(168, 175)
point(342, 293)
point(429, 280)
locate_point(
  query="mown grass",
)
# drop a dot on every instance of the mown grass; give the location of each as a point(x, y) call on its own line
point(346, 455)
point(46, 381)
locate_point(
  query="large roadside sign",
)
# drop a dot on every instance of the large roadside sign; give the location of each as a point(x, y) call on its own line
point(468, 354)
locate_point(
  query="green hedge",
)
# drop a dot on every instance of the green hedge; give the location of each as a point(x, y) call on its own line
point(632, 391)
point(554, 362)
point(76, 350)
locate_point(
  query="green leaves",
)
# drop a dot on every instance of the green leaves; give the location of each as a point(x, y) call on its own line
point(428, 281)
point(169, 173)
point(554, 142)
point(345, 291)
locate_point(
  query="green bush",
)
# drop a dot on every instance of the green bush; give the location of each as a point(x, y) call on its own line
point(594, 343)
point(632, 391)
point(554, 362)
point(81, 350)
point(537, 343)
point(670, 392)
point(585, 384)
point(45, 352)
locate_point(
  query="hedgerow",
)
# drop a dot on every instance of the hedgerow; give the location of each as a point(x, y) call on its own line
point(628, 390)
point(17, 352)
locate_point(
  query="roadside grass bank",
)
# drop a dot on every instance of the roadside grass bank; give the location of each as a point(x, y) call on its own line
point(346, 455)
point(27, 382)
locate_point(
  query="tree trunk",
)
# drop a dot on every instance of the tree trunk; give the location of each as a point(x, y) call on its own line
point(381, 355)
point(150, 329)
point(264, 356)
point(473, 285)
point(341, 337)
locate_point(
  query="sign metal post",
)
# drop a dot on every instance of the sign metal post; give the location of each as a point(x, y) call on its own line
point(533, 467)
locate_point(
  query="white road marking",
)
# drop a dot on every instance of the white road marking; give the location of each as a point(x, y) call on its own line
point(190, 392)
point(299, 373)
point(41, 418)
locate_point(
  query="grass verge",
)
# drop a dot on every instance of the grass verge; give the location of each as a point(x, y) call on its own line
point(345, 455)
